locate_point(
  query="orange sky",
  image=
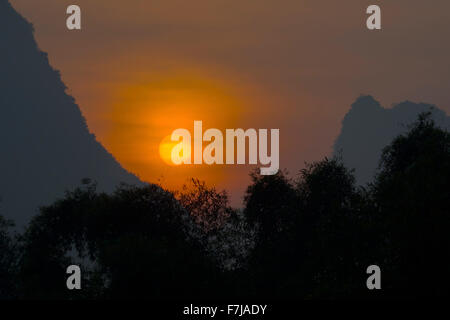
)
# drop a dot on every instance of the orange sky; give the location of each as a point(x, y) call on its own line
point(140, 69)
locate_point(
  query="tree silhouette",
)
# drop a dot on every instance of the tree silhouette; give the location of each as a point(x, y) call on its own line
point(8, 260)
point(315, 235)
point(337, 229)
point(270, 208)
point(412, 193)
point(222, 231)
point(209, 208)
point(133, 244)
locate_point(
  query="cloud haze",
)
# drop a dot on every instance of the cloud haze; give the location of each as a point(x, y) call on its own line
point(293, 65)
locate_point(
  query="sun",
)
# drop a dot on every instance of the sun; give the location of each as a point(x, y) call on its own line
point(165, 150)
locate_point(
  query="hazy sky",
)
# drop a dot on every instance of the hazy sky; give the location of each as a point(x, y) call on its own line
point(140, 69)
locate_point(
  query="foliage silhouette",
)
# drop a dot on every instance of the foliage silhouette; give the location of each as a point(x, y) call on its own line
point(412, 191)
point(134, 244)
point(221, 229)
point(8, 260)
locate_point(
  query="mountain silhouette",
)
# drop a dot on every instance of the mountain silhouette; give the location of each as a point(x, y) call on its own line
point(46, 145)
point(368, 127)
